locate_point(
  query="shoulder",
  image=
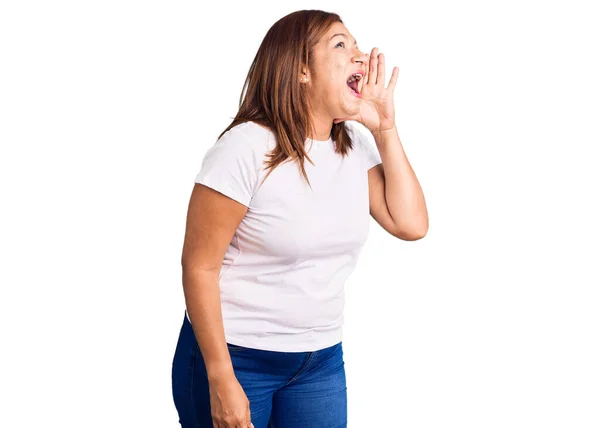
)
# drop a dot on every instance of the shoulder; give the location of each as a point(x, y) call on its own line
point(250, 132)
point(244, 140)
point(231, 165)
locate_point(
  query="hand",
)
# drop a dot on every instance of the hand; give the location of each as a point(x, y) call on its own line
point(376, 102)
point(229, 404)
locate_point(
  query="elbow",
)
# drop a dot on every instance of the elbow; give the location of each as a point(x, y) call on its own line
point(419, 235)
point(413, 236)
point(413, 233)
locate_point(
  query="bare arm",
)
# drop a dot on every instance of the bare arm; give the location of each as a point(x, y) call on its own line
point(211, 222)
point(396, 198)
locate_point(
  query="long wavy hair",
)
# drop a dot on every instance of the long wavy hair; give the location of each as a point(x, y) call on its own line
point(272, 94)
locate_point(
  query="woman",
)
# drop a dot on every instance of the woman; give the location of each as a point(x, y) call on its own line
point(270, 240)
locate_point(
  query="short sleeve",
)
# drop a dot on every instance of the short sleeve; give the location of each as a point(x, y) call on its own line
point(230, 166)
point(372, 156)
point(366, 148)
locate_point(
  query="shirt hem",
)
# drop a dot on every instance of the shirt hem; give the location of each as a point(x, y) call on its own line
point(327, 341)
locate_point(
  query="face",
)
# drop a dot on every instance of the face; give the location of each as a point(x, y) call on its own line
point(336, 59)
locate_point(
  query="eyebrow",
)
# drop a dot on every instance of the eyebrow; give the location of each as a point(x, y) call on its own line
point(343, 35)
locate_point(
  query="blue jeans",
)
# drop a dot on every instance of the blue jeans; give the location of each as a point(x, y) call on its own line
point(285, 389)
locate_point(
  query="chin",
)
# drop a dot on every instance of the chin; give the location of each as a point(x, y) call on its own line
point(349, 107)
point(351, 110)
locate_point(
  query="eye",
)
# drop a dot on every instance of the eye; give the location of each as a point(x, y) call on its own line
point(340, 43)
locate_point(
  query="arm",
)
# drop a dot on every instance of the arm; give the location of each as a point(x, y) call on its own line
point(395, 196)
point(211, 222)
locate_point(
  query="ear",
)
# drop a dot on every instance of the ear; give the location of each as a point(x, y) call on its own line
point(304, 76)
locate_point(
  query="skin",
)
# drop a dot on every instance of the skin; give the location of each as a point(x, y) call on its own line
point(332, 100)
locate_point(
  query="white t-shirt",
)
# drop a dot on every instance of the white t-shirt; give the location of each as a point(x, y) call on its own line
point(283, 274)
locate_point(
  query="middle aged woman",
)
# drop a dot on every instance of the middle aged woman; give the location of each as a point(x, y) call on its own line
point(267, 250)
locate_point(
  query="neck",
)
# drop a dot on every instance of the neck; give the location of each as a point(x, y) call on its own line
point(322, 125)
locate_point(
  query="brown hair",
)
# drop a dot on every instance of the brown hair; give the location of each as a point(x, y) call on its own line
point(272, 95)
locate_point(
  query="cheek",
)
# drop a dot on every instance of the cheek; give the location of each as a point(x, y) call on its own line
point(335, 73)
point(335, 80)
point(330, 83)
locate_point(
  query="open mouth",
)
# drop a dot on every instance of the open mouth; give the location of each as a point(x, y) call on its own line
point(352, 83)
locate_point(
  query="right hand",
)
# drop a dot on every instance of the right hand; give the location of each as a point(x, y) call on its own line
point(229, 405)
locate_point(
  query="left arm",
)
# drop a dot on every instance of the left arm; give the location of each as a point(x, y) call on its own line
point(396, 199)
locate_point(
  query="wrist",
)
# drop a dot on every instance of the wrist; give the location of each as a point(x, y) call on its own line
point(220, 372)
point(384, 132)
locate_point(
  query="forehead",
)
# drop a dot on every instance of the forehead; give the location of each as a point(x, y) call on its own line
point(337, 28)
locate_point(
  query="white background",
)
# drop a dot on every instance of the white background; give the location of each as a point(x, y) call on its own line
point(492, 320)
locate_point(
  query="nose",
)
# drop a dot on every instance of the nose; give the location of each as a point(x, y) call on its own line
point(360, 57)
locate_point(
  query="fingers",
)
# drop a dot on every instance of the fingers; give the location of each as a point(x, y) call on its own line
point(249, 423)
point(394, 78)
point(376, 70)
point(372, 67)
point(380, 69)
